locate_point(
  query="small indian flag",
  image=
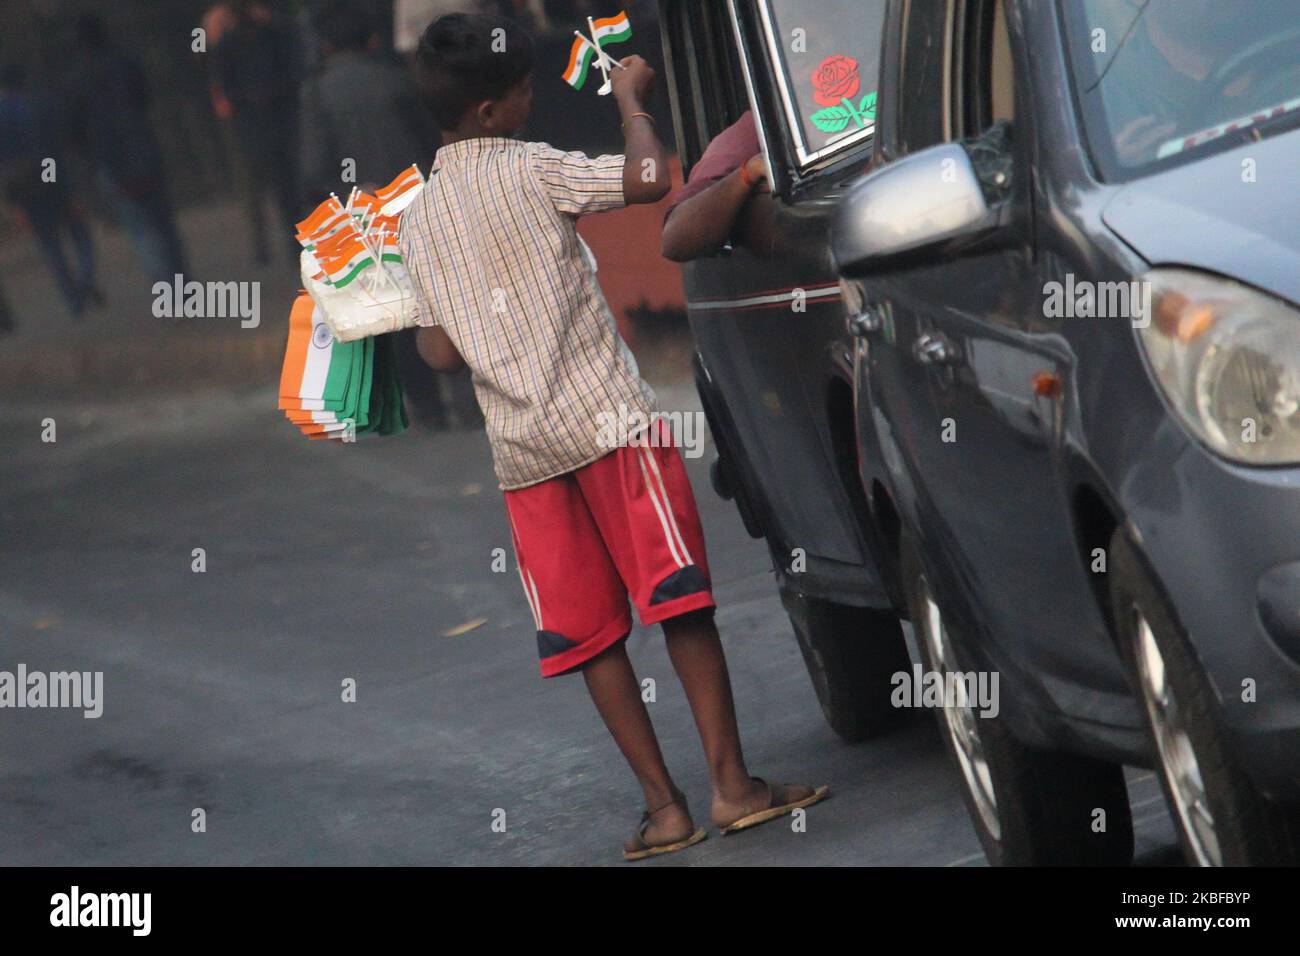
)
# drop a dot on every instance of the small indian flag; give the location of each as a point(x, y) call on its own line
point(612, 30)
point(347, 262)
point(329, 247)
point(398, 194)
point(605, 31)
point(408, 178)
point(324, 220)
point(364, 204)
point(580, 57)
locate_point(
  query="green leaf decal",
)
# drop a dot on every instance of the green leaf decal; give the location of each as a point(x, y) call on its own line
point(868, 106)
point(832, 119)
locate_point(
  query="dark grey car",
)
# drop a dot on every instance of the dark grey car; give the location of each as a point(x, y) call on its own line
point(773, 361)
point(1074, 278)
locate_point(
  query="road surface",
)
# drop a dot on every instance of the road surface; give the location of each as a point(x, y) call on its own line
point(222, 689)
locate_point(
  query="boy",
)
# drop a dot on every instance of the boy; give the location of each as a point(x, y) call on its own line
point(505, 282)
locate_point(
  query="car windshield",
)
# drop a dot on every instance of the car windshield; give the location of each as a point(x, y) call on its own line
point(1162, 81)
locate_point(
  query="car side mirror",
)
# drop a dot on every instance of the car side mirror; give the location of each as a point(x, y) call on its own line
point(922, 208)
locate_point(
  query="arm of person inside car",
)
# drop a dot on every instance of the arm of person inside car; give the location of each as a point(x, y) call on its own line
point(646, 174)
point(437, 349)
point(703, 222)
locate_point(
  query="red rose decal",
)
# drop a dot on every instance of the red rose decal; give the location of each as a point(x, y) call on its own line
point(836, 79)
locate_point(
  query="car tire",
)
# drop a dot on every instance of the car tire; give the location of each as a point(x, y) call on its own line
point(1030, 807)
point(1221, 817)
point(852, 654)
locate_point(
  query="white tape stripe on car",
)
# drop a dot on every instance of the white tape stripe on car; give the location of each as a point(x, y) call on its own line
point(773, 299)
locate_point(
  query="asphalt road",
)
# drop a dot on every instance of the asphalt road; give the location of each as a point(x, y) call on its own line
point(222, 689)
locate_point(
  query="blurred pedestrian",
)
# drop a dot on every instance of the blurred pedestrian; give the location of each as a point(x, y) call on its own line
point(256, 65)
point(33, 175)
point(217, 22)
point(362, 123)
point(108, 117)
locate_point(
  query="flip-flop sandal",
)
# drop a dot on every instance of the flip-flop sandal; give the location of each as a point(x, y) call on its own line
point(772, 812)
point(642, 849)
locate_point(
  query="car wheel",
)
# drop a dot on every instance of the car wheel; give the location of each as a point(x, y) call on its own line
point(1221, 818)
point(852, 654)
point(1030, 807)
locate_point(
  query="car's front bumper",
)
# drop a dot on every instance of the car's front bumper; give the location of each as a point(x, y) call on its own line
point(1224, 543)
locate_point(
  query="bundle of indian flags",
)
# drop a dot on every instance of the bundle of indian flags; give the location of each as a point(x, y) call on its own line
point(331, 388)
point(338, 390)
point(346, 241)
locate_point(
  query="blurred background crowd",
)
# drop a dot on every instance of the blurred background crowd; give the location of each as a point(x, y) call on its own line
point(133, 149)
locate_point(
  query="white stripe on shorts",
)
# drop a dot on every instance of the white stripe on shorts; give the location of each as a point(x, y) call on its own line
point(668, 508)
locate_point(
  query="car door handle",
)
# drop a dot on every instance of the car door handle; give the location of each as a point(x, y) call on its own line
point(935, 349)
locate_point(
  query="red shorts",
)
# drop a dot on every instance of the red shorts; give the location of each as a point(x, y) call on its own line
point(624, 525)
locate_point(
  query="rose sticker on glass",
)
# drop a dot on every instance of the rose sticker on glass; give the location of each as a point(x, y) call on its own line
point(836, 79)
point(835, 83)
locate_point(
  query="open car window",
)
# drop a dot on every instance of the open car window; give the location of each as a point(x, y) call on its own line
point(826, 55)
point(707, 85)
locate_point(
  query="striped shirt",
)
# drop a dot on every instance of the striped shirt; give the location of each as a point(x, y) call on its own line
point(493, 249)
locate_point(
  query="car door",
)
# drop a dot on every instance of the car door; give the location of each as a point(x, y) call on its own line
point(765, 309)
point(978, 386)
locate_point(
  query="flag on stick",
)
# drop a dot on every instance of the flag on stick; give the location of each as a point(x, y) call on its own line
point(399, 194)
point(589, 49)
point(611, 30)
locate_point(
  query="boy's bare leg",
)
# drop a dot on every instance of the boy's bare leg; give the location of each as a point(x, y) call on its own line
point(613, 687)
point(696, 652)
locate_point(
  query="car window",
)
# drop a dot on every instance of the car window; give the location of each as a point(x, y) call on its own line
point(706, 74)
point(988, 79)
point(826, 55)
point(1002, 87)
point(920, 116)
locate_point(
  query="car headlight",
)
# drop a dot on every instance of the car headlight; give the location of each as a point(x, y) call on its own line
point(1228, 358)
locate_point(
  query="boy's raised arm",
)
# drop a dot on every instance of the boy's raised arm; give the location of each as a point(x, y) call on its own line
point(646, 174)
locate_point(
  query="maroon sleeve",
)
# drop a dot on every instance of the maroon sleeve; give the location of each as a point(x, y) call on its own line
point(729, 151)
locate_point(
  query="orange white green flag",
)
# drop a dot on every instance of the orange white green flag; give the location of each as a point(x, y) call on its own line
point(323, 221)
point(609, 30)
point(398, 194)
point(588, 49)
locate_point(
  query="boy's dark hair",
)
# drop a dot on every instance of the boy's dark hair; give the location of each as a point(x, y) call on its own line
point(464, 59)
point(345, 25)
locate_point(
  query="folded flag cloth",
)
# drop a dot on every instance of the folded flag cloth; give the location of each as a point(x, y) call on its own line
point(338, 390)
